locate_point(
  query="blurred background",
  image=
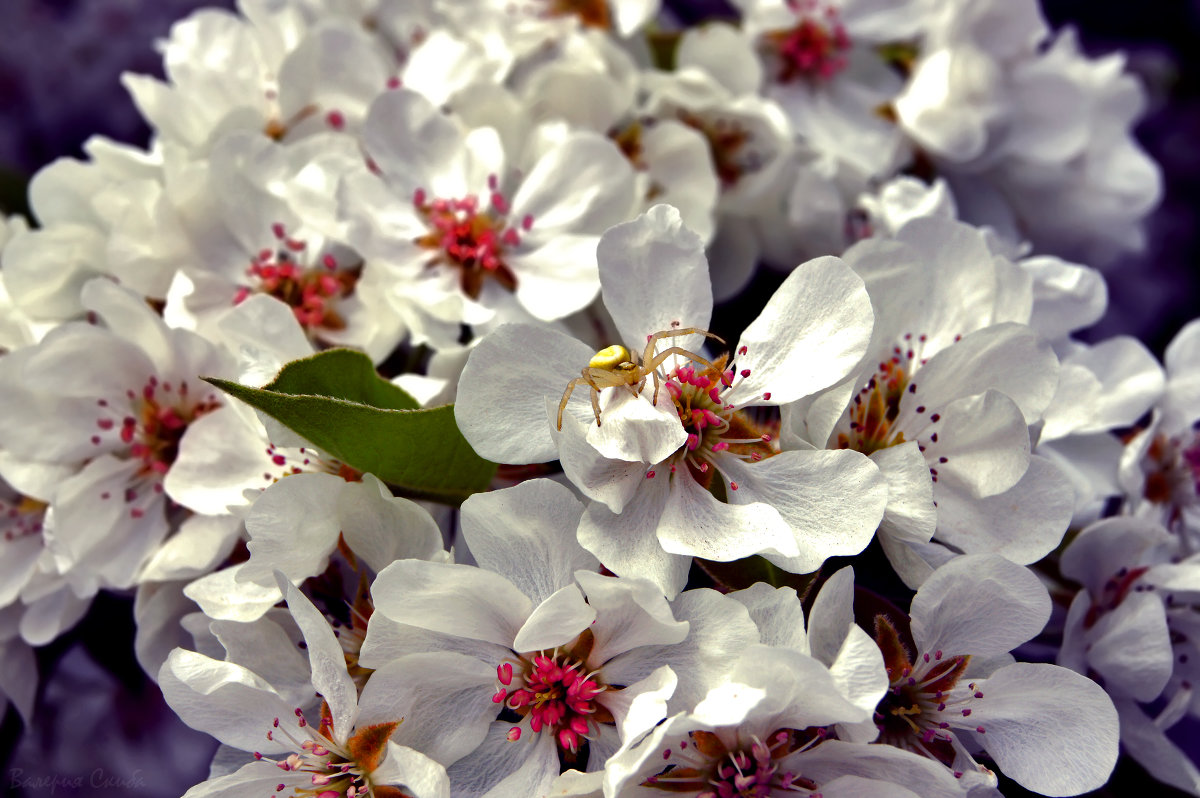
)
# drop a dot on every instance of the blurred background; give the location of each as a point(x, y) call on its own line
point(101, 727)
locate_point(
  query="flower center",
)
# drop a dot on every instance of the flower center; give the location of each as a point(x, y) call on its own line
point(321, 768)
point(152, 429)
point(21, 517)
point(910, 715)
point(556, 692)
point(874, 419)
point(712, 425)
point(159, 416)
point(1114, 592)
point(727, 143)
point(470, 238)
point(705, 765)
point(874, 410)
point(311, 291)
point(815, 48)
point(1173, 473)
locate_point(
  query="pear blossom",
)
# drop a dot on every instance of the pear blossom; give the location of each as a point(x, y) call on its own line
point(830, 636)
point(1021, 122)
point(1159, 468)
point(559, 670)
point(649, 467)
point(952, 694)
point(461, 237)
point(763, 733)
point(297, 523)
point(258, 218)
point(89, 215)
point(944, 401)
point(271, 71)
point(354, 749)
point(121, 400)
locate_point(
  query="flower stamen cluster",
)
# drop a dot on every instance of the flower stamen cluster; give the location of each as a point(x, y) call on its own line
point(312, 292)
point(470, 238)
point(555, 691)
point(705, 764)
point(815, 48)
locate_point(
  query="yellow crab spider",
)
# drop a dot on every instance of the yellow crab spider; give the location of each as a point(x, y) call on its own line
point(615, 366)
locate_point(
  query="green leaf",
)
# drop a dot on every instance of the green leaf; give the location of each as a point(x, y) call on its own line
point(336, 400)
point(341, 374)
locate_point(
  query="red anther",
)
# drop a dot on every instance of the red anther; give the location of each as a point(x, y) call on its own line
point(650, 474)
point(733, 485)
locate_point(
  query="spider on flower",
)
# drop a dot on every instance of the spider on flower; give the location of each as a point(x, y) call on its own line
point(616, 366)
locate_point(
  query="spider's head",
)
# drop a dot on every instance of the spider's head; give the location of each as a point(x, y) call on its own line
point(612, 358)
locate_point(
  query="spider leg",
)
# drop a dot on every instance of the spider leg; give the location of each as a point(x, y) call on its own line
point(666, 353)
point(653, 340)
point(566, 397)
point(589, 378)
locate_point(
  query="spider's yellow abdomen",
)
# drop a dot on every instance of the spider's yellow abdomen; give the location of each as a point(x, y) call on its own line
point(609, 358)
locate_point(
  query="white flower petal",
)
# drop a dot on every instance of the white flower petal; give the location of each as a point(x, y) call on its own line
point(223, 595)
point(1010, 358)
point(812, 332)
point(409, 139)
point(1048, 728)
point(293, 527)
point(654, 277)
point(382, 528)
point(418, 774)
point(910, 514)
point(831, 501)
point(325, 657)
point(985, 442)
point(499, 768)
point(627, 544)
point(527, 534)
point(629, 613)
point(227, 701)
point(1024, 524)
point(613, 482)
point(453, 599)
point(556, 621)
point(696, 524)
point(220, 457)
point(979, 605)
point(777, 613)
point(501, 406)
point(1153, 750)
point(584, 185)
point(198, 546)
point(633, 429)
point(443, 699)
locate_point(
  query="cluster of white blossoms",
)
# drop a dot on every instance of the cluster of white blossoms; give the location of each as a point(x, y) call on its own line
point(789, 559)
